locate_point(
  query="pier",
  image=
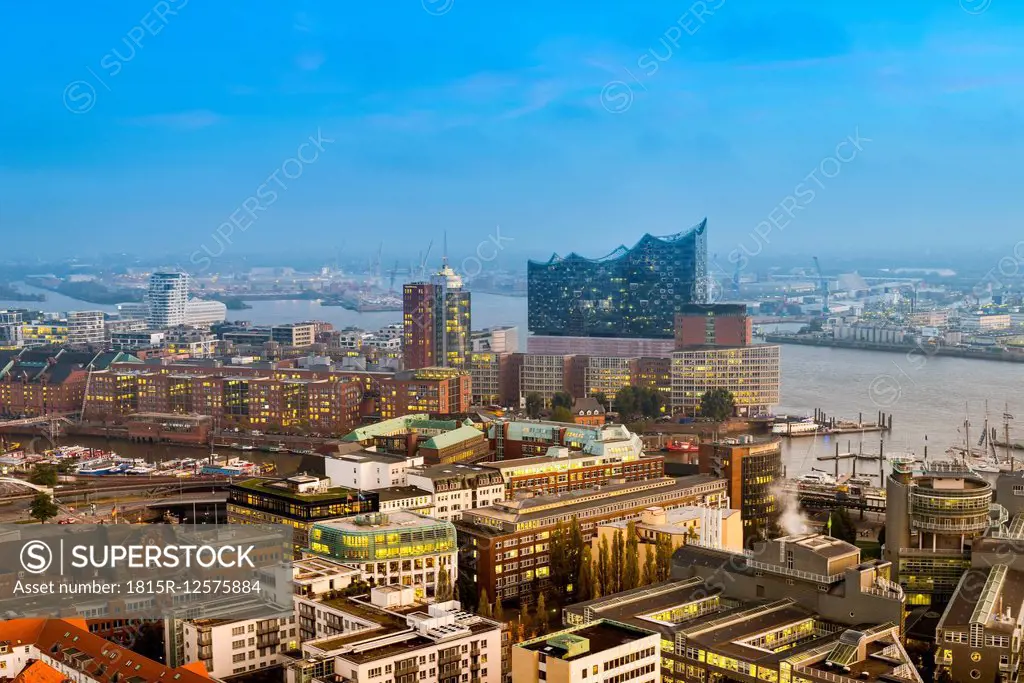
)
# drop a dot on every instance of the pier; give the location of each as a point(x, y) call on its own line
point(829, 424)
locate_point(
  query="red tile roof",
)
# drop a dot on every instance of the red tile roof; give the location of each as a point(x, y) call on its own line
point(39, 672)
point(69, 641)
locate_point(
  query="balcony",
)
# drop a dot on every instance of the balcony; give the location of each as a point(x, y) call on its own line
point(406, 666)
point(952, 526)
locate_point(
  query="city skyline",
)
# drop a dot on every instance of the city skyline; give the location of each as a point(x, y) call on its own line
point(716, 113)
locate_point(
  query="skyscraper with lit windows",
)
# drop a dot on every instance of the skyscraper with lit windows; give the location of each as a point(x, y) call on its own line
point(436, 322)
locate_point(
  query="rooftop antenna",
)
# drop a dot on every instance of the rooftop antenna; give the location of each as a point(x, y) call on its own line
point(444, 255)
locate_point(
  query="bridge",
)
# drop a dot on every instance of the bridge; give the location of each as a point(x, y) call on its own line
point(8, 481)
point(38, 419)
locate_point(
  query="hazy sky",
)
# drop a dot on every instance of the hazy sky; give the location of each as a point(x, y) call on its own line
point(572, 125)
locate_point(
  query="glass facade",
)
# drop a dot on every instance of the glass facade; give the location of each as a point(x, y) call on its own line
point(379, 541)
point(629, 293)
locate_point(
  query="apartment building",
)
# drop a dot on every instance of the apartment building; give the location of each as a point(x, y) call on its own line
point(228, 648)
point(167, 300)
point(85, 327)
point(504, 547)
point(455, 488)
point(408, 642)
point(601, 650)
point(398, 548)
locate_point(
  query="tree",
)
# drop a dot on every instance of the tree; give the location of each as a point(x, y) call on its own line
point(663, 549)
point(559, 556)
point(717, 404)
point(542, 613)
point(618, 561)
point(633, 402)
point(561, 414)
point(562, 399)
point(498, 613)
point(626, 403)
point(573, 549)
point(600, 397)
point(534, 404)
point(43, 508)
point(485, 605)
point(43, 475)
point(631, 567)
point(650, 568)
point(604, 567)
point(585, 579)
point(842, 526)
point(443, 589)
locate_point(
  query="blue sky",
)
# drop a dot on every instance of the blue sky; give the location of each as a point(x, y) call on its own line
point(572, 125)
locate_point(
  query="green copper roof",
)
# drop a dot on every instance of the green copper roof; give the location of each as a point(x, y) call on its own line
point(456, 436)
point(395, 424)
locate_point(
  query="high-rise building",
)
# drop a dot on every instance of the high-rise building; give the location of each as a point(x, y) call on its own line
point(436, 322)
point(751, 469)
point(167, 297)
point(713, 325)
point(632, 293)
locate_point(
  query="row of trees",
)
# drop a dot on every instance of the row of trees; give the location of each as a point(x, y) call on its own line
point(616, 566)
point(634, 403)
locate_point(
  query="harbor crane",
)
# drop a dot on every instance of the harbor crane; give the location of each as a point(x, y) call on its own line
point(823, 286)
point(393, 273)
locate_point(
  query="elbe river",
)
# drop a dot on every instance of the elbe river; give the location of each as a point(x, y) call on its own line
point(927, 396)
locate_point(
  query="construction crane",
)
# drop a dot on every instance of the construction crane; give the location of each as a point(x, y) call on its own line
point(823, 286)
point(423, 261)
point(393, 273)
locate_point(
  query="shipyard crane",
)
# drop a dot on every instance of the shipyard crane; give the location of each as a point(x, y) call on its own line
point(393, 273)
point(823, 286)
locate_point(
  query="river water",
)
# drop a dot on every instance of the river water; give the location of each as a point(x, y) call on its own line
point(927, 396)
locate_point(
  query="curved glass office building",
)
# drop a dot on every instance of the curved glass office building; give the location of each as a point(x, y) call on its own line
point(628, 293)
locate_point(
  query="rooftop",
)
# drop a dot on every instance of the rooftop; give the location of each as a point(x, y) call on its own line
point(992, 596)
point(400, 519)
point(279, 488)
point(576, 502)
point(391, 493)
point(583, 641)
